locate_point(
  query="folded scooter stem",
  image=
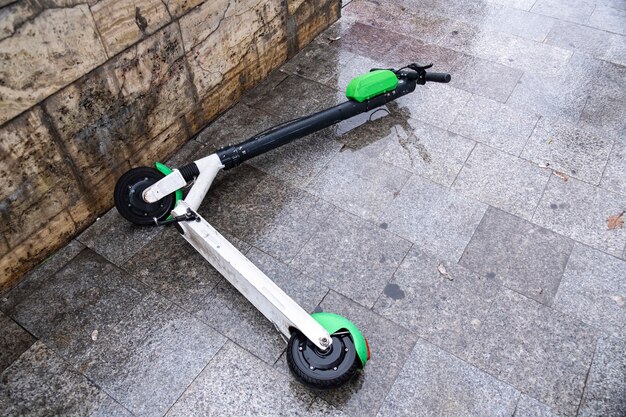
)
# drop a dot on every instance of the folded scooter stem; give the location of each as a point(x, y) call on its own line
point(233, 155)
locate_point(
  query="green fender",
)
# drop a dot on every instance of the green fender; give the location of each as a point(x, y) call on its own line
point(165, 170)
point(334, 322)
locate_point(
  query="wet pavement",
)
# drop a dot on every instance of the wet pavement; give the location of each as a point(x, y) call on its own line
point(464, 230)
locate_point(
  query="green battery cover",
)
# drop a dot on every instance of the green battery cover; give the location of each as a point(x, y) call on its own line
point(372, 84)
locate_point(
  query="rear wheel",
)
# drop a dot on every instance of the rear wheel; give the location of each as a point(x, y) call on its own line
point(323, 369)
point(129, 201)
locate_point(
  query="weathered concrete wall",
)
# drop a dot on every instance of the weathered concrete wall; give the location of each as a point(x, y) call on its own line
point(89, 88)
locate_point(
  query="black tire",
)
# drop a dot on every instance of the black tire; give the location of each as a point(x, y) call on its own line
point(128, 201)
point(322, 370)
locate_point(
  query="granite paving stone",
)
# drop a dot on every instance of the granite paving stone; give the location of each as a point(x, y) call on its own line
point(579, 210)
point(275, 217)
point(485, 78)
point(609, 19)
point(351, 256)
point(40, 383)
point(151, 356)
point(503, 181)
point(520, 23)
point(39, 275)
point(436, 104)
point(300, 161)
point(173, 268)
point(495, 124)
point(321, 408)
point(436, 219)
point(541, 352)
point(408, 51)
point(518, 4)
point(390, 345)
point(576, 151)
point(433, 382)
point(116, 238)
point(577, 11)
point(236, 125)
point(240, 384)
point(606, 384)
point(446, 310)
point(369, 41)
point(427, 150)
point(593, 289)
point(89, 294)
point(529, 407)
point(522, 256)
point(551, 96)
point(295, 97)
point(601, 44)
point(359, 183)
point(258, 94)
point(614, 176)
point(421, 25)
point(227, 311)
point(14, 340)
point(384, 15)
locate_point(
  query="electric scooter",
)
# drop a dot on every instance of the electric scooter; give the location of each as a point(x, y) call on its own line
point(324, 350)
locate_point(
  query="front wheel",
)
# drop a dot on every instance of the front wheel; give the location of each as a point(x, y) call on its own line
point(323, 369)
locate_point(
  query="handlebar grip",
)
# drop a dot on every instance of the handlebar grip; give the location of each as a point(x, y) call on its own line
point(438, 77)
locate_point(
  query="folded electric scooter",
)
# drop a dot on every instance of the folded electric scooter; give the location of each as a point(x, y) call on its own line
point(324, 350)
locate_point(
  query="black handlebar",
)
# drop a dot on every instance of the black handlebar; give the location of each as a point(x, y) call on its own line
point(438, 77)
point(418, 74)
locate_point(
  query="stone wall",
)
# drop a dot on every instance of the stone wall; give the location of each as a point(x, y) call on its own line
point(89, 88)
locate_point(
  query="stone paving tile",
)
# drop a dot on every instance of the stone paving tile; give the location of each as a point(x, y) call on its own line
point(436, 219)
point(420, 25)
point(259, 93)
point(518, 4)
point(579, 210)
point(227, 311)
point(495, 124)
point(518, 53)
point(226, 193)
point(390, 346)
point(554, 96)
point(537, 350)
point(593, 290)
point(606, 384)
point(485, 78)
point(577, 11)
point(433, 382)
point(321, 62)
point(436, 104)
point(299, 162)
point(529, 407)
point(321, 408)
point(236, 125)
point(351, 256)
point(426, 150)
point(523, 257)
point(239, 384)
point(173, 268)
point(295, 97)
point(614, 176)
point(579, 152)
point(116, 238)
point(609, 19)
point(275, 217)
point(40, 383)
point(502, 180)
point(359, 184)
point(408, 51)
point(39, 275)
point(13, 341)
point(369, 41)
point(383, 15)
point(520, 23)
point(88, 294)
point(445, 310)
point(601, 44)
point(151, 356)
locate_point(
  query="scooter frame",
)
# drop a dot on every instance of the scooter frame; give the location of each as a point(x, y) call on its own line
point(280, 309)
